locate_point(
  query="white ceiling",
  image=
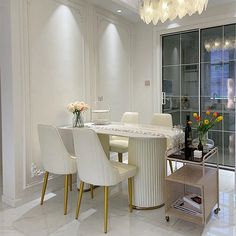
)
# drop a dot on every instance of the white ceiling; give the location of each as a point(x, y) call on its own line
point(220, 2)
point(130, 7)
point(129, 10)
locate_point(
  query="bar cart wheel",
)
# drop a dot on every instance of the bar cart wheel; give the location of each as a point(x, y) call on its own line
point(216, 211)
point(167, 218)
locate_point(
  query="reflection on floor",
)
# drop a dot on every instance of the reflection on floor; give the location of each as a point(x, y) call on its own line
point(33, 219)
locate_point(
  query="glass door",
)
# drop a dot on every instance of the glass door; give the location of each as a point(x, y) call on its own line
point(218, 86)
point(189, 74)
point(180, 75)
point(183, 56)
point(171, 70)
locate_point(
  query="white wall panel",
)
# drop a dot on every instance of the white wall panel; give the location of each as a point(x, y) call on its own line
point(114, 65)
point(56, 52)
point(143, 70)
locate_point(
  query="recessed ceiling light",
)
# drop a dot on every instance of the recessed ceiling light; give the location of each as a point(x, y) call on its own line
point(119, 11)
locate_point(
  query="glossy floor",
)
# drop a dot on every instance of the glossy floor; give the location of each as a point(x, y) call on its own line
point(31, 219)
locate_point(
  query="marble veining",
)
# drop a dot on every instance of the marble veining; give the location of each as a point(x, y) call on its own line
point(48, 220)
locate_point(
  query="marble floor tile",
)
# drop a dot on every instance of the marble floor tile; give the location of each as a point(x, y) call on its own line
point(32, 219)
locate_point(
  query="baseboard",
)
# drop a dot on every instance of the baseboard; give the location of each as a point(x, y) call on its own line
point(34, 192)
point(10, 202)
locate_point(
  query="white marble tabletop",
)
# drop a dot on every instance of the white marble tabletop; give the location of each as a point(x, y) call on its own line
point(174, 135)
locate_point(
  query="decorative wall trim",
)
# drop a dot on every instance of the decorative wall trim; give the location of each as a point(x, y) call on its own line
point(35, 170)
point(32, 178)
point(101, 16)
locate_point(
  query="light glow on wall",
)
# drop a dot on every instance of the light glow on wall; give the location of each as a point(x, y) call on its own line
point(64, 27)
point(114, 45)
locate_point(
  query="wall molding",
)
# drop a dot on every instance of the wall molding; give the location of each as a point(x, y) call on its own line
point(104, 16)
point(30, 180)
point(28, 171)
point(26, 176)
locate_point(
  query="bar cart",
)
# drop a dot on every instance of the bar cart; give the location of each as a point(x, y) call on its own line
point(194, 178)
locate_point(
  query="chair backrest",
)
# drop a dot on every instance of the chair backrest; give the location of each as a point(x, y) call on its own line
point(92, 163)
point(162, 119)
point(130, 118)
point(55, 157)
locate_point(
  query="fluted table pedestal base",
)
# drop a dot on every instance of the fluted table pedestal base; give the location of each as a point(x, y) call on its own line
point(148, 154)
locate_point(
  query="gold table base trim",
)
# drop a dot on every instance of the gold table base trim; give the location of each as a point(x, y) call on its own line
point(148, 208)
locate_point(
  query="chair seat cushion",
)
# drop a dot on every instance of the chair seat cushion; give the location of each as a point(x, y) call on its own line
point(119, 146)
point(125, 170)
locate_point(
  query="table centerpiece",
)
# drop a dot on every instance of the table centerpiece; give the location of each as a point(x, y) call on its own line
point(203, 124)
point(77, 108)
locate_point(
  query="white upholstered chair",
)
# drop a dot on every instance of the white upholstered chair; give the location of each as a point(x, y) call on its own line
point(163, 120)
point(120, 144)
point(56, 159)
point(94, 168)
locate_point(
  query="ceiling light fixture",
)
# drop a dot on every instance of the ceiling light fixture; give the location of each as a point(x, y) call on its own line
point(217, 44)
point(155, 10)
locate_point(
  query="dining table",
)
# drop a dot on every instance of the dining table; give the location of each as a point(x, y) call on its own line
point(146, 150)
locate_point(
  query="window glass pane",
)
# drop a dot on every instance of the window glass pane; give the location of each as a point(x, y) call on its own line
point(189, 47)
point(211, 90)
point(171, 50)
point(229, 42)
point(217, 137)
point(189, 90)
point(189, 80)
point(212, 44)
point(171, 80)
point(211, 82)
point(229, 149)
point(229, 95)
point(172, 106)
point(171, 103)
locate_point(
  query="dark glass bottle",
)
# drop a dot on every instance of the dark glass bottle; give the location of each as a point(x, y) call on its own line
point(188, 138)
point(200, 146)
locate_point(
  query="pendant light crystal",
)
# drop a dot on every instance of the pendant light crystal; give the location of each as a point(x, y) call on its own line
point(155, 10)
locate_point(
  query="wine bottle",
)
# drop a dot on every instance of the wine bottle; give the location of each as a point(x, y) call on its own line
point(200, 146)
point(188, 138)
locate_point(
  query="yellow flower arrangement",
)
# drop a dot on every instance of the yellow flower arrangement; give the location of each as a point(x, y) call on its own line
point(204, 124)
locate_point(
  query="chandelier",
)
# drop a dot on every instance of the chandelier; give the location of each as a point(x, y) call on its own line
point(155, 10)
point(217, 44)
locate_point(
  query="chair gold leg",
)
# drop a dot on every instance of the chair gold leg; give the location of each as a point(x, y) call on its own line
point(171, 167)
point(45, 181)
point(81, 190)
point(66, 193)
point(120, 157)
point(91, 190)
point(130, 191)
point(105, 208)
point(70, 182)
